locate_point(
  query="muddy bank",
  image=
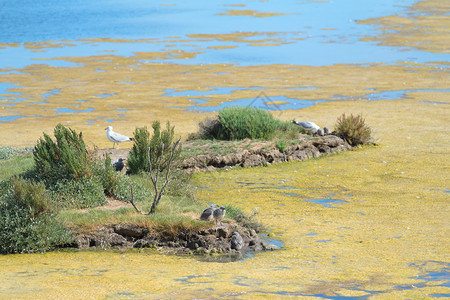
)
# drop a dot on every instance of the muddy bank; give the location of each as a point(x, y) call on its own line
point(264, 153)
point(247, 153)
point(205, 241)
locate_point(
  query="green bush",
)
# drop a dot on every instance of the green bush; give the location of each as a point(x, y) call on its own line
point(237, 123)
point(246, 122)
point(30, 195)
point(64, 159)
point(118, 185)
point(159, 145)
point(353, 129)
point(26, 225)
point(82, 193)
point(138, 156)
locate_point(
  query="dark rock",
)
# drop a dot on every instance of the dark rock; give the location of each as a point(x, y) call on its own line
point(114, 240)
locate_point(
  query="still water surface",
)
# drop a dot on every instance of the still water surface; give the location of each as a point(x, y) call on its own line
point(289, 32)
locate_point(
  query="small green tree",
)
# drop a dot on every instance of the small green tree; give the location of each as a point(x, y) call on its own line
point(66, 158)
point(162, 146)
point(137, 158)
point(161, 155)
point(159, 145)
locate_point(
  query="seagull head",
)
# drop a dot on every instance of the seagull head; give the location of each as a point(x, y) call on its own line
point(109, 128)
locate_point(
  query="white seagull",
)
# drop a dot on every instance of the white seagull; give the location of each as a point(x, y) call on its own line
point(115, 137)
point(307, 125)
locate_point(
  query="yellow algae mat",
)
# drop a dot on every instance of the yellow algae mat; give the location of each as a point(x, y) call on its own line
point(371, 223)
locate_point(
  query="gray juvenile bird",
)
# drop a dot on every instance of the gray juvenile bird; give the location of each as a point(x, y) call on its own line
point(236, 241)
point(208, 213)
point(218, 214)
point(119, 164)
point(320, 132)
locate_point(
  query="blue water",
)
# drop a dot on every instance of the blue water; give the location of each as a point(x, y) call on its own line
point(302, 34)
point(327, 202)
point(67, 110)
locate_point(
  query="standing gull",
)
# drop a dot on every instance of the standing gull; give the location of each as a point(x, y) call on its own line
point(307, 125)
point(115, 137)
point(218, 214)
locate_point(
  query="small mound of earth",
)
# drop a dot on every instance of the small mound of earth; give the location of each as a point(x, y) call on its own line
point(205, 241)
point(248, 153)
point(265, 153)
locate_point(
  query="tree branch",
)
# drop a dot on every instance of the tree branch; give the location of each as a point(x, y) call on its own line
point(132, 202)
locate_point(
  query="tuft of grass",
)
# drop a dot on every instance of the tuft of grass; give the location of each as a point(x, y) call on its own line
point(281, 145)
point(353, 129)
point(15, 166)
point(242, 219)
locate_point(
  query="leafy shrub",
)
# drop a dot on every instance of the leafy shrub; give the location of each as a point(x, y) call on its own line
point(353, 129)
point(138, 156)
point(27, 228)
point(236, 123)
point(30, 195)
point(64, 159)
point(160, 146)
point(84, 193)
point(246, 122)
point(118, 185)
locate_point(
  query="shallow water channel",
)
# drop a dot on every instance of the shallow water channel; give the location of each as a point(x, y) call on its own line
point(365, 224)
